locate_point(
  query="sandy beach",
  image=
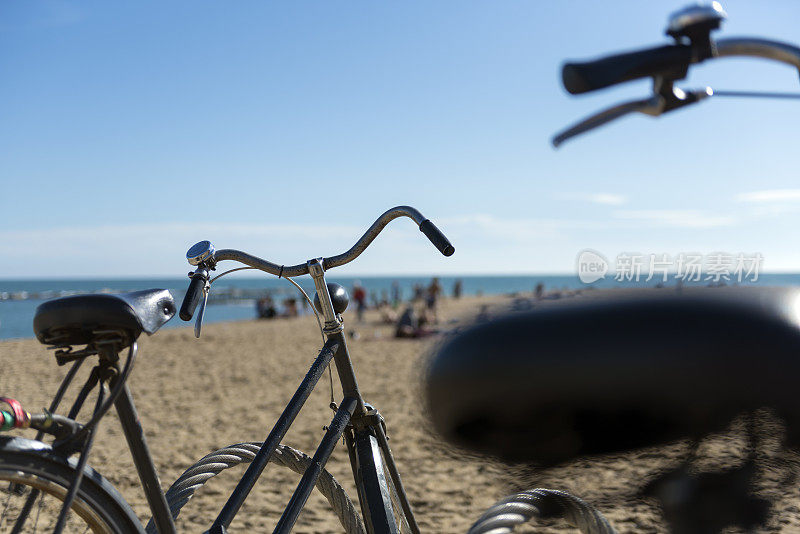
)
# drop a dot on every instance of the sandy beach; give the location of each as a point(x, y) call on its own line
point(195, 396)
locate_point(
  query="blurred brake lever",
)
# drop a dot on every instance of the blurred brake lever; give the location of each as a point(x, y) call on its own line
point(668, 99)
point(198, 323)
point(606, 116)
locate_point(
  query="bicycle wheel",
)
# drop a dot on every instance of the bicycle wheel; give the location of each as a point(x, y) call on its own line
point(39, 481)
point(397, 508)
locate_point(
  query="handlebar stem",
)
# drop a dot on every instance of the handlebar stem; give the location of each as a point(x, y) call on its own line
point(333, 325)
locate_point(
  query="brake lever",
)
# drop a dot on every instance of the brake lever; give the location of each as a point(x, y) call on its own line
point(666, 100)
point(198, 323)
point(606, 116)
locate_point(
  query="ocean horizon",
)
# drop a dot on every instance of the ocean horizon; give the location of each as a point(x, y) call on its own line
point(233, 298)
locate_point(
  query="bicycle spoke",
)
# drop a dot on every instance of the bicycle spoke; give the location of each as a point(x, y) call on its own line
point(38, 512)
point(31, 510)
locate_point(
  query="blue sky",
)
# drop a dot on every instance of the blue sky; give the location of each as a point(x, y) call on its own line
point(130, 131)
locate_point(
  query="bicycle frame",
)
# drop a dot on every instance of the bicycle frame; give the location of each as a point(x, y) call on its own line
point(359, 424)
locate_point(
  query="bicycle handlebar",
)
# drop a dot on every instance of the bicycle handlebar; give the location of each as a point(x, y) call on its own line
point(665, 64)
point(670, 61)
point(757, 47)
point(192, 297)
point(435, 236)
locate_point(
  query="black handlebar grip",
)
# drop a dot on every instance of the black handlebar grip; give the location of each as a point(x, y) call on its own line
point(437, 237)
point(671, 61)
point(192, 297)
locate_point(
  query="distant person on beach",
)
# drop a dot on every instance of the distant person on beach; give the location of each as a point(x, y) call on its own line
point(457, 288)
point(265, 307)
point(419, 292)
point(409, 325)
point(432, 298)
point(360, 296)
point(290, 307)
point(539, 292)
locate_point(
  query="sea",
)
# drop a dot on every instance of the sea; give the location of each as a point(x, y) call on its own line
point(234, 298)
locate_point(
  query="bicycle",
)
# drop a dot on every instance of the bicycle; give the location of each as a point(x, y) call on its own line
point(106, 325)
point(617, 373)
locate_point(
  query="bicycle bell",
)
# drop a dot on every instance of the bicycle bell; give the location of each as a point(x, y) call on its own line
point(696, 22)
point(200, 252)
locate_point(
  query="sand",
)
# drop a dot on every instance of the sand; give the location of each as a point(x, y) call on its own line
point(195, 396)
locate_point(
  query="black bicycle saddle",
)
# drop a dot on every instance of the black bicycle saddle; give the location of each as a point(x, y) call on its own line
point(74, 320)
point(606, 373)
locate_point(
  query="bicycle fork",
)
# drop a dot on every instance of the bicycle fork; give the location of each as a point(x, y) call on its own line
point(369, 452)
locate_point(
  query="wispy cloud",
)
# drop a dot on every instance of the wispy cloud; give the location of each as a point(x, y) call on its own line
point(676, 218)
point(770, 196)
point(606, 199)
point(609, 199)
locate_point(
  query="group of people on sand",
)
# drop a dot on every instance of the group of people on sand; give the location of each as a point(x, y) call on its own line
point(411, 319)
point(267, 309)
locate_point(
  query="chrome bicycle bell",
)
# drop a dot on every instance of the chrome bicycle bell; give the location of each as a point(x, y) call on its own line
point(697, 19)
point(200, 252)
